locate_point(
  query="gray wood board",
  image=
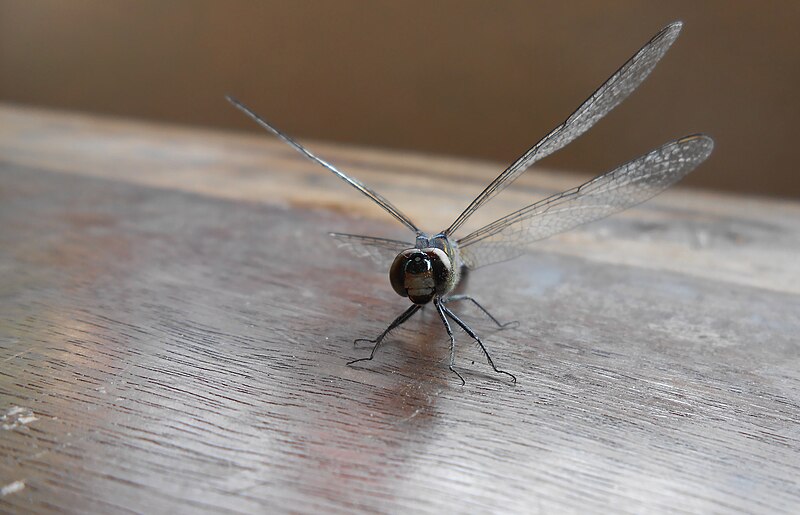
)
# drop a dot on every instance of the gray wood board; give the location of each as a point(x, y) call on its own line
point(164, 351)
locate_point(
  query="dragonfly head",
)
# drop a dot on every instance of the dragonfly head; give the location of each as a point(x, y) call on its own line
point(421, 274)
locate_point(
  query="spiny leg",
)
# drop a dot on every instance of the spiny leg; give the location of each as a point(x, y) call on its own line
point(456, 298)
point(441, 310)
point(470, 332)
point(377, 341)
point(397, 322)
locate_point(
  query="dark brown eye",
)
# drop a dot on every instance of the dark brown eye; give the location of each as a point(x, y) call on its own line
point(411, 261)
point(396, 272)
point(441, 268)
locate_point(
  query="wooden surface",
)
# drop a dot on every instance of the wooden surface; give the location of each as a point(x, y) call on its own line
point(174, 327)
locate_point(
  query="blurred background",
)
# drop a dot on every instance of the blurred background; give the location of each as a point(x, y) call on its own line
point(479, 79)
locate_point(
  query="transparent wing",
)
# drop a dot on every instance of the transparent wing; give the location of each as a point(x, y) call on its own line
point(363, 188)
point(380, 250)
point(607, 97)
point(617, 190)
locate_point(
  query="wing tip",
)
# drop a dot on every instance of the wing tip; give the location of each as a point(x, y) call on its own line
point(670, 32)
point(700, 137)
point(702, 142)
point(232, 99)
point(676, 25)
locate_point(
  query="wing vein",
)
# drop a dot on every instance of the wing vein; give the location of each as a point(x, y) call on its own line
point(624, 187)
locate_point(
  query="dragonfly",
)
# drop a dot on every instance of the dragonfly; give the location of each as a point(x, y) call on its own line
point(429, 268)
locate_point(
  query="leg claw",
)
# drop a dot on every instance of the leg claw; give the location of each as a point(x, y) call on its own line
point(359, 360)
point(453, 370)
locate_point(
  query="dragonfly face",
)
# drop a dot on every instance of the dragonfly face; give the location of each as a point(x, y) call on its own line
point(427, 271)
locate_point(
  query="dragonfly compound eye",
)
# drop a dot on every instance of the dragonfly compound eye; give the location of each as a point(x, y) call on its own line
point(398, 270)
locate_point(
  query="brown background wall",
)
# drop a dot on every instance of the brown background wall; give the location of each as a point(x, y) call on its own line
point(481, 79)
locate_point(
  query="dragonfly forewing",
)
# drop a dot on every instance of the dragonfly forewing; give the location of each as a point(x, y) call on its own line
point(607, 97)
point(360, 186)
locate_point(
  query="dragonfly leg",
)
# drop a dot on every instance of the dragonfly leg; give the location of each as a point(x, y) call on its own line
point(456, 298)
point(475, 337)
point(441, 310)
point(377, 341)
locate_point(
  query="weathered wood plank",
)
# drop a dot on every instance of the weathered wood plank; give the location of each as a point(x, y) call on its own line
point(701, 234)
point(170, 342)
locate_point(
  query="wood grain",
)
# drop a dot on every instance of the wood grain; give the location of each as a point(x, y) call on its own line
point(174, 326)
